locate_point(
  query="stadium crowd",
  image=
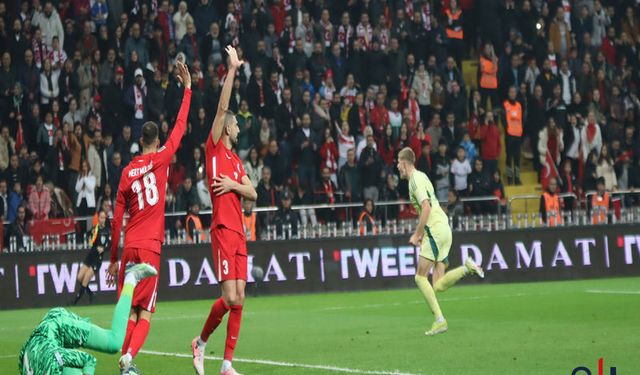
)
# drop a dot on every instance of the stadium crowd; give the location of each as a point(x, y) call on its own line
point(330, 91)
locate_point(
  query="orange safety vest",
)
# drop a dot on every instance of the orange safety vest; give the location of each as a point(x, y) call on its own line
point(599, 208)
point(552, 206)
point(452, 33)
point(363, 224)
point(249, 223)
point(488, 73)
point(198, 227)
point(513, 113)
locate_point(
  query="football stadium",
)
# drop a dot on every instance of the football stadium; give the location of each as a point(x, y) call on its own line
point(408, 187)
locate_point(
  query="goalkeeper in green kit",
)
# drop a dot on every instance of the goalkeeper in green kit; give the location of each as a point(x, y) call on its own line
point(52, 347)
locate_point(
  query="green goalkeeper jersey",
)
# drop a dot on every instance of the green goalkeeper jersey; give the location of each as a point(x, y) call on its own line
point(51, 346)
point(420, 188)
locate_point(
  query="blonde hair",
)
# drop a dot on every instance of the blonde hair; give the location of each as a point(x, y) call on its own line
point(407, 154)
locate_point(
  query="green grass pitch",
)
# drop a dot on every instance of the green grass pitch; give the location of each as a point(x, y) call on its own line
point(533, 328)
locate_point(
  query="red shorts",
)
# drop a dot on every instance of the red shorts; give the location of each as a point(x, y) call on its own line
point(229, 254)
point(146, 292)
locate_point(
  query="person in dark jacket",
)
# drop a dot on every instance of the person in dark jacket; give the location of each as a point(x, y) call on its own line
point(479, 183)
point(370, 165)
point(307, 151)
point(286, 220)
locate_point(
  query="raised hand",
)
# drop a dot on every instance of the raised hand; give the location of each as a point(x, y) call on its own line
point(184, 76)
point(234, 61)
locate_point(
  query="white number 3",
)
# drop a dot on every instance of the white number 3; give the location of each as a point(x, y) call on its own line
point(150, 190)
point(225, 267)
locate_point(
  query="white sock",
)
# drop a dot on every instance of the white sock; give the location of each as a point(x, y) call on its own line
point(440, 319)
point(129, 278)
point(226, 365)
point(201, 343)
point(128, 357)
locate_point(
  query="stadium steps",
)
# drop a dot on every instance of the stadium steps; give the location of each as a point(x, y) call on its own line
point(528, 176)
point(470, 73)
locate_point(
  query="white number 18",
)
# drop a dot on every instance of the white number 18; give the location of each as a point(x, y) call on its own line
point(150, 190)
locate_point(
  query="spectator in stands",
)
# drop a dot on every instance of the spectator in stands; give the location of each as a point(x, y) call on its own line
point(49, 88)
point(513, 113)
point(20, 228)
point(15, 172)
point(350, 178)
point(497, 189)
point(186, 196)
point(456, 102)
point(4, 200)
point(279, 164)
point(193, 224)
point(203, 190)
point(48, 20)
point(469, 147)
point(488, 72)
point(252, 229)
point(370, 165)
point(39, 200)
point(600, 204)
point(605, 169)
point(15, 200)
point(7, 147)
point(367, 223)
point(591, 136)
point(286, 220)
point(460, 170)
point(306, 147)
point(490, 142)
point(305, 198)
point(422, 85)
point(253, 167)
point(389, 193)
point(455, 209)
point(550, 208)
point(550, 140)
point(568, 181)
point(326, 193)
point(479, 183)
point(441, 171)
point(86, 190)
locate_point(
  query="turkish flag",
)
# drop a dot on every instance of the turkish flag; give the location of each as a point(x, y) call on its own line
point(549, 170)
point(19, 137)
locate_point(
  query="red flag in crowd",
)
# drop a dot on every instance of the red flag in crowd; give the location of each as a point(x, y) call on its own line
point(549, 170)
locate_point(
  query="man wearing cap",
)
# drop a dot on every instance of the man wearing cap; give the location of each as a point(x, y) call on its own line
point(286, 218)
point(136, 100)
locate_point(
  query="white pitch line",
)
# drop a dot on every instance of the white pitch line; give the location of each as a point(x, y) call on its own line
point(285, 364)
point(445, 299)
point(603, 291)
point(8, 356)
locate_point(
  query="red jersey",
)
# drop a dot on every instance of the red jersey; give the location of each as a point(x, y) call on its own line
point(226, 208)
point(143, 186)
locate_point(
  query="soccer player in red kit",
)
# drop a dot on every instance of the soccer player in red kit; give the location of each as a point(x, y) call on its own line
point(142, 186)
point(228, 183)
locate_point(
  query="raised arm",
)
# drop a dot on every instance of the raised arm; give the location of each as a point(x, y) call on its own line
point(181, 122)
point(225, 95)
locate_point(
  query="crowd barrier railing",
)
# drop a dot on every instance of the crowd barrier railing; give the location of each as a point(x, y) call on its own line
point(347, 228)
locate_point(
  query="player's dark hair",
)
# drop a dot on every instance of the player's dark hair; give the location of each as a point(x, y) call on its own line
point(228, 117)
point(149, 133)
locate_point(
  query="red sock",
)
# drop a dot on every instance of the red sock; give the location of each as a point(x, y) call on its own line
point(131, 325)
point(233, 330)
point(218, 310)
point(138, 337)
